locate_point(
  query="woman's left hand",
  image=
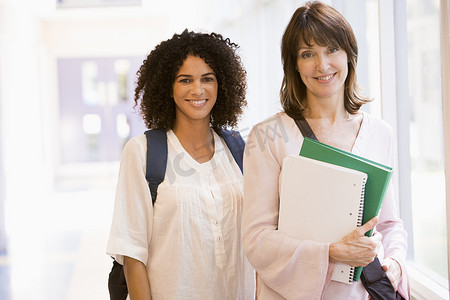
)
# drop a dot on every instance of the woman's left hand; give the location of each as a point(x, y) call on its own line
point(393, 271)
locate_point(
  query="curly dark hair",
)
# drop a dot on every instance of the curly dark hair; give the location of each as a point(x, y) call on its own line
point(157, 74)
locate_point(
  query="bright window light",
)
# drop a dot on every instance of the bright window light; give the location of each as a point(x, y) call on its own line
point(123, 126)
point(92, 124)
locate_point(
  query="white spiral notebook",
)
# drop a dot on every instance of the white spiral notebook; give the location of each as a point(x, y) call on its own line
point(321, 202)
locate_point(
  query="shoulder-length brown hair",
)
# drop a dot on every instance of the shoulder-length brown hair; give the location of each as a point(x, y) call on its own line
point(325, 26)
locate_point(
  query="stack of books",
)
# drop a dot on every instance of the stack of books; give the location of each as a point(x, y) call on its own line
point(326, 193)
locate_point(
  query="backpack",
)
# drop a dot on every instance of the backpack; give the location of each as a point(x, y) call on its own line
point(155, 172)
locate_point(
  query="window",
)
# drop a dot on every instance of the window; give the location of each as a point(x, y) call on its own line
point(426, 132)
point(96, 100)
point(414, 80)
point(417, 119)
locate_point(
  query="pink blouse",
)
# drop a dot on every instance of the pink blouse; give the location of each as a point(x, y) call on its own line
point(288, 268)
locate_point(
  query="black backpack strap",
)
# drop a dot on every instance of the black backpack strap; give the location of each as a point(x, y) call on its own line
point(155, 172)
point(156, 159)
point(117, 285)
point(304, 127)
point(235, 143)
point(377, 283)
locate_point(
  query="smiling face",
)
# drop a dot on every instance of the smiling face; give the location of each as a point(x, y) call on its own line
point(323, 70)
point(194, 91)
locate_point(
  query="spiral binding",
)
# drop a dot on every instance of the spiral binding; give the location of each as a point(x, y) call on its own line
point(361, 202)
point(351, 274)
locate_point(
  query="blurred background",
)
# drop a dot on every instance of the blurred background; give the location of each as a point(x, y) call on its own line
point(67, 74)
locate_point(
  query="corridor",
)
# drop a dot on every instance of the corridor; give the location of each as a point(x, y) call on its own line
point(56, 247)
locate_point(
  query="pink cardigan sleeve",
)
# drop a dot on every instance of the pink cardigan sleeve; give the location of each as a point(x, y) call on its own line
point(292, 268)
point(394, 234)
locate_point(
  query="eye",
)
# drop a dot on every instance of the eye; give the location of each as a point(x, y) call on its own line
point(185, 80)
point(208, 79)
point(306, 55)
point(334, 49)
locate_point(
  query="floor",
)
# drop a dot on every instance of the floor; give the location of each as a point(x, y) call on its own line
point(56, 247)
point(56, 244)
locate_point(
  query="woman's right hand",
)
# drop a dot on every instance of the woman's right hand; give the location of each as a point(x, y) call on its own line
point(356, 249)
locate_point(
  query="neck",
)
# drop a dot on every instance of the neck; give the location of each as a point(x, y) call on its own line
point(332, 123)
point(326, 112)
point(195, 133)
point(326, 108)
point(196, 138)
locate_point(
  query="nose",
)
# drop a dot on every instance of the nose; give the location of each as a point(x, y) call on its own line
point(322, 63)
point(197, 88)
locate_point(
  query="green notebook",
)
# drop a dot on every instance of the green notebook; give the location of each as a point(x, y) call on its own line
point(378, 176)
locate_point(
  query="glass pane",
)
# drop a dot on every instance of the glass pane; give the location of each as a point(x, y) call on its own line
point(122, 69)
point(96, 107)
point(373, 57)
point(363, 16)
point(92, 124)
point(427, 154)
point(89, 83)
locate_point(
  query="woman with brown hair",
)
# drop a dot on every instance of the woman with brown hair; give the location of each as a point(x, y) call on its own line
point(319, 54)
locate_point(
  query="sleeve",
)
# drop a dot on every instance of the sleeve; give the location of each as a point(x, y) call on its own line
point(133, 210)
point(394, 235)
point(292, 268)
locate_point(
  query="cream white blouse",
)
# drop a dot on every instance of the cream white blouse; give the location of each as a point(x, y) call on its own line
point(190, 240)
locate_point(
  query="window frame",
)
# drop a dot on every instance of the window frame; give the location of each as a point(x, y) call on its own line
point(394, 85)
point(445, 79)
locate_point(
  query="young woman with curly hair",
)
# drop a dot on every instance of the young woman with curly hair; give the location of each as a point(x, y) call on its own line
point(187, 245)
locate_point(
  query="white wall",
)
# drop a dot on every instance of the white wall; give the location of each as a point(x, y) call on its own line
point(22, 103)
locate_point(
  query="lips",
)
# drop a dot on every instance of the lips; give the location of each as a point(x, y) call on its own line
point(325, 78)
point(197, 103)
